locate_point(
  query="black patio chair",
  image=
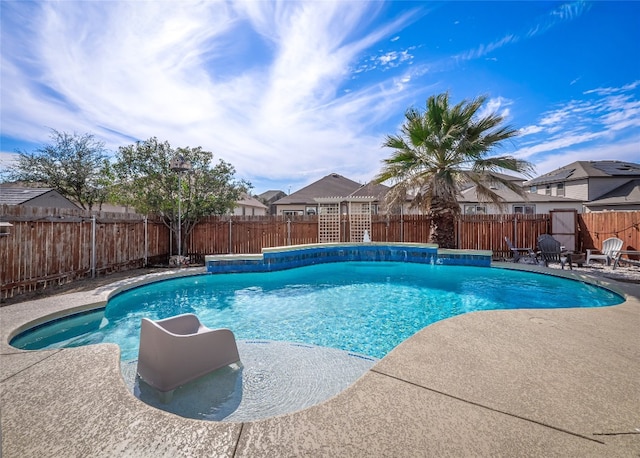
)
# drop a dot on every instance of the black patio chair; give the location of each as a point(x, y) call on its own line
point(551, 251)
point(522, 255)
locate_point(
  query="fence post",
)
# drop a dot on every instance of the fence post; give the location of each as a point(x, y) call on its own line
point(230, 236)
point(386, 230)
point(170, 239)
point(146, 243)
point(288, 232)
point(93, 246)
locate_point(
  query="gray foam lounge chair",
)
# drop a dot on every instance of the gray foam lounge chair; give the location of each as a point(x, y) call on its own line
point(180, 349)
point(551, 251)
point(610, 248)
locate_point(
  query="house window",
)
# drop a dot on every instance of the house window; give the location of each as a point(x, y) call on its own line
point(560, 189)
point(475, 210)
point(291, 212)
point(311, 210)
point(525, 209)
point(533, 189)
point(547, 190)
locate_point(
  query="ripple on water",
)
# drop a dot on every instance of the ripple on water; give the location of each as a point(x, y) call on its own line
point(274, 378)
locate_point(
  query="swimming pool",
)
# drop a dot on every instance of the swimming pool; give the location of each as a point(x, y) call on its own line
point(366, 308)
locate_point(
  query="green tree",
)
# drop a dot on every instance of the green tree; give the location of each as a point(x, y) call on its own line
point(440, 148)
point(146, 182)
point(75, 165)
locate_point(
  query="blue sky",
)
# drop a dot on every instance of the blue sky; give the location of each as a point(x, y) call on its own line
point(291, 91)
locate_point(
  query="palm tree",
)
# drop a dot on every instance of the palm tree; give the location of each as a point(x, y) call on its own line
point(439, 149)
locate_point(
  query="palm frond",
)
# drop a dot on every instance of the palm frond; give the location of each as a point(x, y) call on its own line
point(442, 146)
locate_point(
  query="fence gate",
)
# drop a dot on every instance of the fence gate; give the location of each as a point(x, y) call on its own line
point(564, 228)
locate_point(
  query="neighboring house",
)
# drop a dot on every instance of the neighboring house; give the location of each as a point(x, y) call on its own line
point(623, 198)
point(34, 197)
point(582, 186)
point(249, 206)
point(591, 181)
point(269, 198)
point(466, 183)
point(513, 203)
point(333, 186)
point(303, 201)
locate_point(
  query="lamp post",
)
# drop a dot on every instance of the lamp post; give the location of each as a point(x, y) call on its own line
point(179, 164)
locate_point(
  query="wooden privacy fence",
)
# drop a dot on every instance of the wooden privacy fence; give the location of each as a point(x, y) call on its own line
point(48, 245)
point(596, 227)
point(247, 235)
point(55, 245)
point(487, 232)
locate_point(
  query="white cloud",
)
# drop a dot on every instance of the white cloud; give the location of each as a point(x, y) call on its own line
point(614, 90)
point(530, 130)
point(499, 105)
point(485, 49)
point(604, 114)
point(601, 126)
point(564, 12)
point(624, 151)
point(132, 70)
point(562, 142)
point(267, 86)
point(554, 117)
point(393, 59)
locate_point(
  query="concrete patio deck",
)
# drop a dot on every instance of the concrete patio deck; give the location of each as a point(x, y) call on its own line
point(500, 383)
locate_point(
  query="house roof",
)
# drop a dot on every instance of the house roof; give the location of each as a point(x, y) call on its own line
point(488, 176)
point(250, 201)
point(333, 185)
point(580, 170)
point(470, 195)
point(371, 190)
point(268, 195)
point(18, 195)
point(627, 194)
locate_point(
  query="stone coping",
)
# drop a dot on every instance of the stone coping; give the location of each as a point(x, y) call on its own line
point(336, 244)
point(501, 383)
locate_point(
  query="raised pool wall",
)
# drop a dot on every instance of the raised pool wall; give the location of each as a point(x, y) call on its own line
point(288, 257)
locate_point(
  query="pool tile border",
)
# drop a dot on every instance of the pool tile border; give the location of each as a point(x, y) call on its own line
point(274, 259)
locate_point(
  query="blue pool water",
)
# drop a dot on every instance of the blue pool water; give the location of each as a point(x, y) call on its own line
point(362, 307)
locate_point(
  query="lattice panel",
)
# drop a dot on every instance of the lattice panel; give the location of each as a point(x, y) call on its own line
point(329, 222)
point(359, 220)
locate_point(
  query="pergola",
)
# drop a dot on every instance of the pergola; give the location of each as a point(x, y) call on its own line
point(359, 212)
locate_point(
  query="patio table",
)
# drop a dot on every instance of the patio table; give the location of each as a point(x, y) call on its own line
point(575, 258)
